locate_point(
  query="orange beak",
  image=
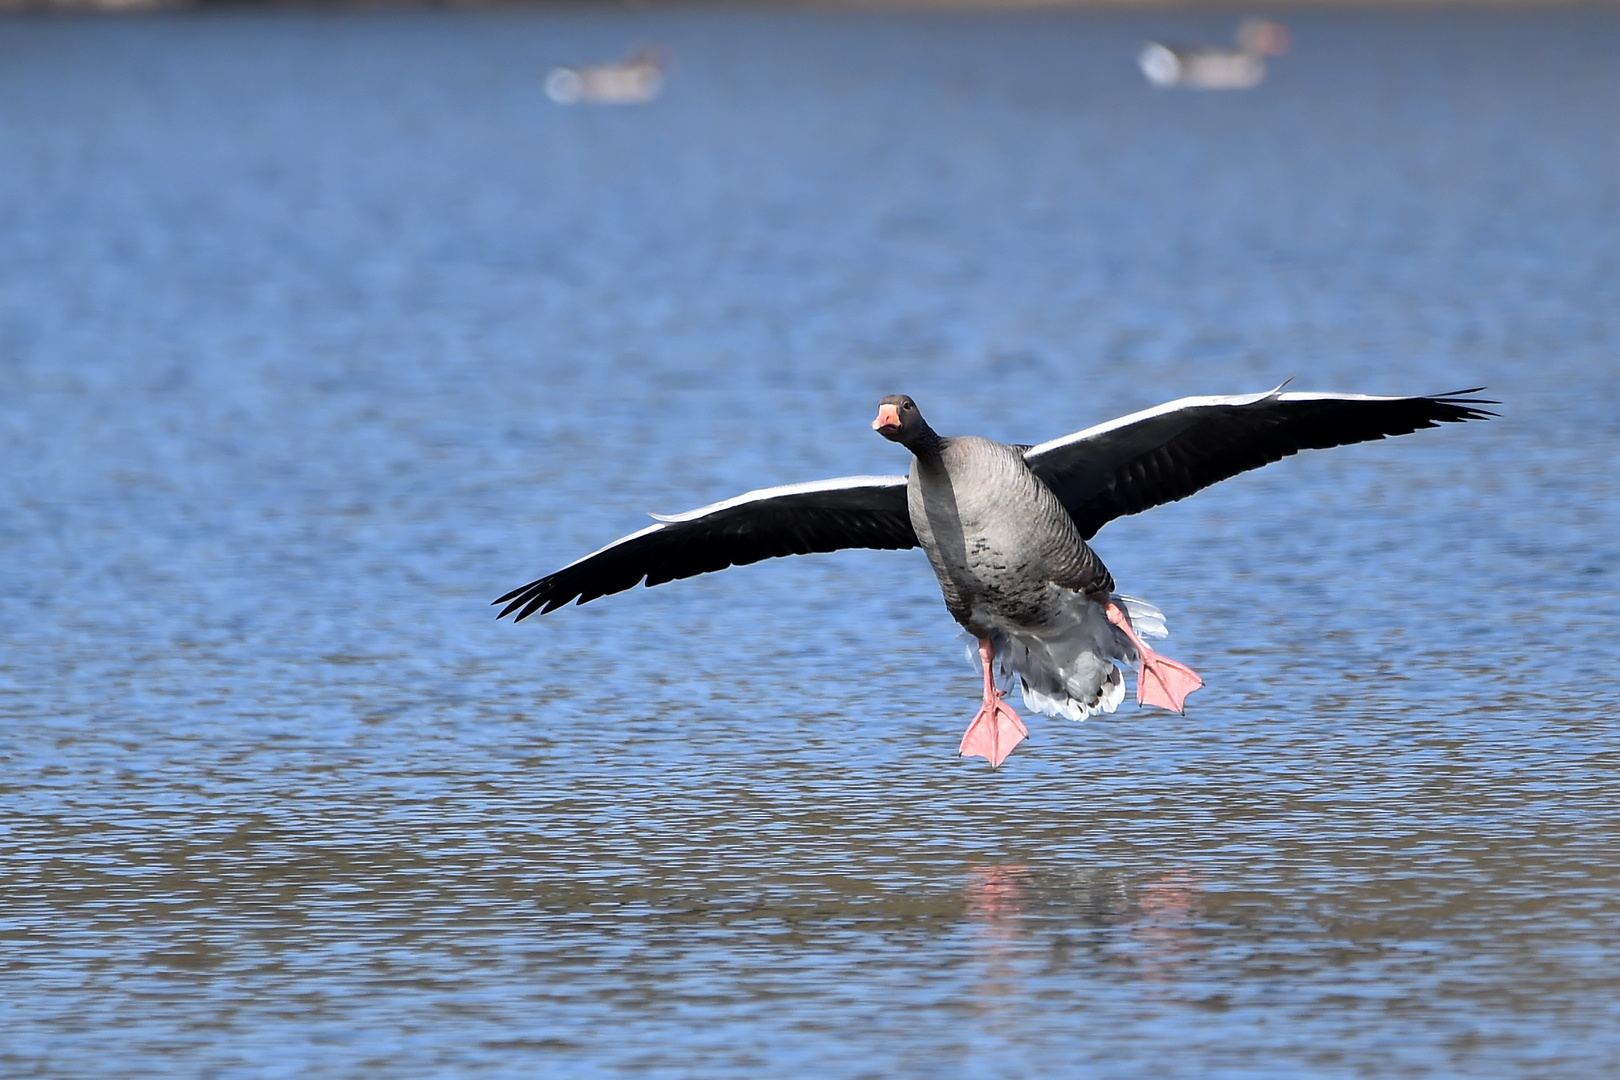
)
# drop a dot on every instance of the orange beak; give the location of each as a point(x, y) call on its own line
point(888, 416)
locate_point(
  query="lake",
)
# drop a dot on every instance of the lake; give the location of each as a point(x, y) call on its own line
point(320, 330)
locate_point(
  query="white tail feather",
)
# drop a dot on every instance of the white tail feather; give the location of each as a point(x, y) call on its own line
point(1078, 668)
point(1146, 620)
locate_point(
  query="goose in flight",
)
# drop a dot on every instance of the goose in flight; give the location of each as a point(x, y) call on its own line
point(1006, 528)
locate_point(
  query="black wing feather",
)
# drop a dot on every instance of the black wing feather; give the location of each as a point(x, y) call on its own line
point(792, 522)
point(1168, 455)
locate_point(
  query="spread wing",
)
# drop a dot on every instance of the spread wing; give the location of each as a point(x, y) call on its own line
point(1166, 453)
point(826, 515)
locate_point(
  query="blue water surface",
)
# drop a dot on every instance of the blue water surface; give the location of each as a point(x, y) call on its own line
point(320, 330)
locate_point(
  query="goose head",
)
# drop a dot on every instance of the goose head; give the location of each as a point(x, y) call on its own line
point(898, 419)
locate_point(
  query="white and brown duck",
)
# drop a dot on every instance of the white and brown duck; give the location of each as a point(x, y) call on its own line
point(1210, 67)
point(635, 80)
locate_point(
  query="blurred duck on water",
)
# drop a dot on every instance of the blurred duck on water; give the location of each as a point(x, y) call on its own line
point(635, 80)
point(1208, 67)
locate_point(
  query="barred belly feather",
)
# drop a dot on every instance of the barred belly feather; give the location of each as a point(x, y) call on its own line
point(1077, 667)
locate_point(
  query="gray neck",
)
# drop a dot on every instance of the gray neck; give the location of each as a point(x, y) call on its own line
point(926, 443)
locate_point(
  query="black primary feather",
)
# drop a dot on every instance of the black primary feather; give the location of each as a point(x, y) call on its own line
point(749, 530)
point(1169, 455)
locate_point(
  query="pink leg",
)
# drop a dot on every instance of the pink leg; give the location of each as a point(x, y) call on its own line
point(1160, 680)
point(996, 729)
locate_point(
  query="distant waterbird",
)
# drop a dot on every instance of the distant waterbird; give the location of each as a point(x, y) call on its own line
point(635, 80)
point(1005, 528)
point(1208, 67)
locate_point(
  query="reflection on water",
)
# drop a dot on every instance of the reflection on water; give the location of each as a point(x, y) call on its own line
point(1166, 930)
point(995, 902)
point(1152, 924)
point(993, 898)
point(317, 332)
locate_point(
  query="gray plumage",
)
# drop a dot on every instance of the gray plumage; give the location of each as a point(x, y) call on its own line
point(998, 539)
point(1013, 567)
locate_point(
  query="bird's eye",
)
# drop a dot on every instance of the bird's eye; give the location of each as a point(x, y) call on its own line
point(908, 406)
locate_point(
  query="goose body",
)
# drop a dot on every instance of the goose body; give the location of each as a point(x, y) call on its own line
point(1006, 530)
point(1014, 571)
point(998, 539)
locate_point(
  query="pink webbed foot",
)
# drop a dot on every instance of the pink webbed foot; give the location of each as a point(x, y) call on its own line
point(1160, 680)
point(1165, 682)
point(996, 729)
point(994, 732)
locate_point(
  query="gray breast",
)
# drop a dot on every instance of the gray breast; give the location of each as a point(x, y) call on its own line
point(1001, 544)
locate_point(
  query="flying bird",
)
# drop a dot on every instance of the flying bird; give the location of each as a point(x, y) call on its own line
point(1005, 528)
